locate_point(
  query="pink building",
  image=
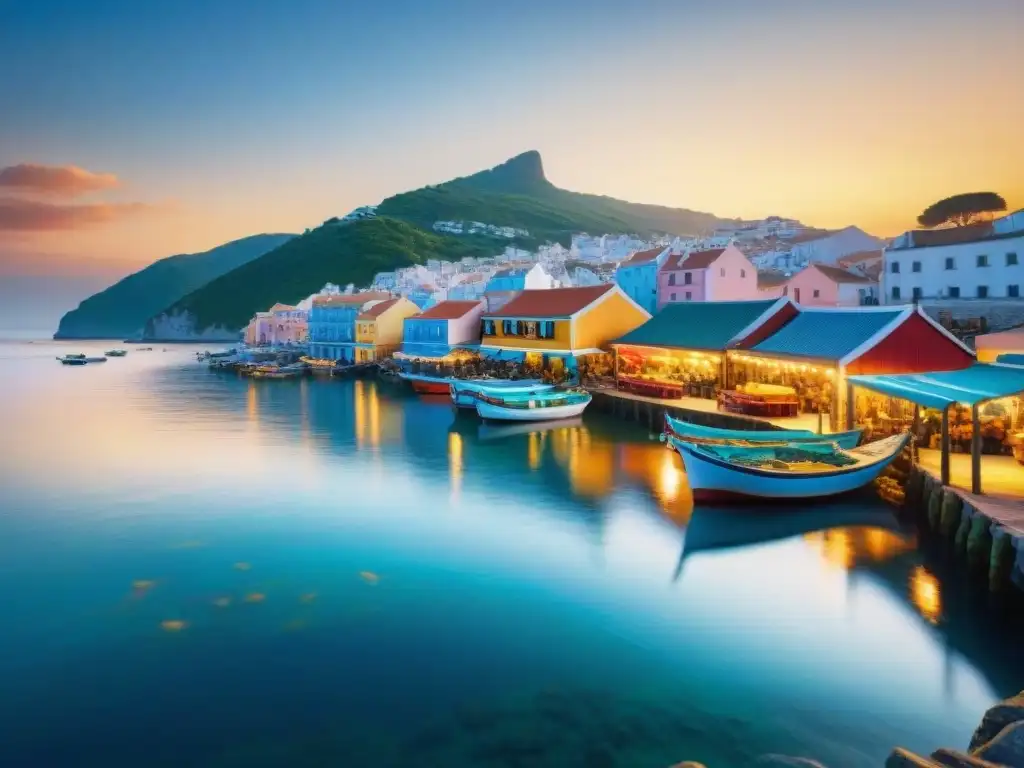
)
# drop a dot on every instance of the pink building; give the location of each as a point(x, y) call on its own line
point(821, 285)
point(718, 274)
point(288, 325)
point(257, 332)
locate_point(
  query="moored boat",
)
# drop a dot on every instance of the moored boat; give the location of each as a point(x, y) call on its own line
point(542, 406)
point(427, 385)
point(464, 393)
point(116, 353)
point(792, 471)
point(695, 433)
point(73, 360)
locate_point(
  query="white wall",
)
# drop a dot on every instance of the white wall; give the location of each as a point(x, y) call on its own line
point(828, 250)
point(935, 280)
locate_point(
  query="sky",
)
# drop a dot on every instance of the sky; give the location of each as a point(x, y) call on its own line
point(132, 131)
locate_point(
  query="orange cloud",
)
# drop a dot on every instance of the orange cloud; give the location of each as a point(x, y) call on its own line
point(19, 215)
point(62, 181)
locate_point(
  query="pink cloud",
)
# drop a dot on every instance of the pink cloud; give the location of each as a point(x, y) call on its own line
point(61, 181)
point(19, 215)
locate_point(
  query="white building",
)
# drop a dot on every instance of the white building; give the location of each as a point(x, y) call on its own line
point(830, 247)
point(979, 261)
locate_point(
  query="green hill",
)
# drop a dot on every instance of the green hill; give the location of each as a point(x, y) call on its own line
point(518, 194)
point(332, 253)
point(122, 310)
point(513, 194)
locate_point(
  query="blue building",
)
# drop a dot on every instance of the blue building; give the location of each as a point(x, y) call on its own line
point(422, 297)
point(507, 280)
point(434, 332)
point(332, 324)
point(637, 276)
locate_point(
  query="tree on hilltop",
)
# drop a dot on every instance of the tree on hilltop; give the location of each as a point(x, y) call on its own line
point(961, 210)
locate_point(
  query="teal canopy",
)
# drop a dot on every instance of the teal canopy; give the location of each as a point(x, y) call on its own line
point(980, 382)
point(703, 325)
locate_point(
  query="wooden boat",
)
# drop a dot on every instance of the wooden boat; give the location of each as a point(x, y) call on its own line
point(464, 393)
point(427, 385)
point(543, 406)
point(95, 359)
point(793, 471)
point(73, 360)
point(695, 433)
point(115, 353)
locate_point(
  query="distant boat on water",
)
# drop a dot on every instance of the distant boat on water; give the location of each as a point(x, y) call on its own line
point(541, 406)
point(79, 359)
point(116, 353)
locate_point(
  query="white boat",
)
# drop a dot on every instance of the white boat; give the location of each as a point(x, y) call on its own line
point(464, 393)
point(794, 471)
point(695, 433)
point(543, 406)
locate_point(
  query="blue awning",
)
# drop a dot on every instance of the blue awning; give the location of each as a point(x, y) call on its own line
point(980, 382)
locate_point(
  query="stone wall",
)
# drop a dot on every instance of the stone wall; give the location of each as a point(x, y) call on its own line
point(998, 313)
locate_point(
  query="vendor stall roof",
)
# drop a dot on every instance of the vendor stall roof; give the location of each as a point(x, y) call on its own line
point(869, 340)
point(706, 325)
point(980, 382)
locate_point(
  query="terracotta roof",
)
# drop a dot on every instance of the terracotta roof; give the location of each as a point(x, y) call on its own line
point(859, 256)
point(840, 275)
point(770, 279)
point(806, 237)
point(447, 310)
point(279, 307)
point(350, 299)
point(378, 309)
point(701, 259)
point(926, 237)
point(552, 302)
point(642, 257)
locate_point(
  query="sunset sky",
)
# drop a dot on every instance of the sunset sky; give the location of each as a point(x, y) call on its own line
point(130, 131)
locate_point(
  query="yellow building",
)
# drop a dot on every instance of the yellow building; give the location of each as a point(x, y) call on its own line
point(379, 328)
point(548, 328)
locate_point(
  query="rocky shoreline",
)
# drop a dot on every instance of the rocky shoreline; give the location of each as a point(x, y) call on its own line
point(998, 742)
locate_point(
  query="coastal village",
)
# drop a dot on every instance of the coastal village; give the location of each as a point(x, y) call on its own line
point(768, 325)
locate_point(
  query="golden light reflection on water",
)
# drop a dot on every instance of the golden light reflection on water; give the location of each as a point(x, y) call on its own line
point(455, 462)
point(360, 412)
point(535, 449)
point(926, 594)
point(843, 548)
point(658, 469)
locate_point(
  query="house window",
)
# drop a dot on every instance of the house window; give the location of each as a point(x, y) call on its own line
point(743, 273)
point(982, 291)
point(915, 266)
point(982, 260)
point(672, 278)
point(895, 268)
point(950, 263)
point(722, 271)
point(785, 290)
point(954, 292)
point(672, 297)
point(895, 291)
point(687, 278)
point(916, 292)
point(817, 293)
point(1011, 259)
point(688, 295)
point(1013, 291)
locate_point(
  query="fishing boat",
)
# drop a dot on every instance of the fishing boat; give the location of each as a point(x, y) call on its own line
point(695, 433)
point(115, 353)
point(792, 471)
point(542, 406)
point(464, 393)
point(427, 385)
point(73, 360)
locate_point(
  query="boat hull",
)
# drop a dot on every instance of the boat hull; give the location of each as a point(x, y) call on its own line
point(494, 412)
point(464, 393)
point(696, 433)
point(430, 387)
point(716, 480)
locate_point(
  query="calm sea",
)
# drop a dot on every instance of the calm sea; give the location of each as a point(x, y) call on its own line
point(203, 570)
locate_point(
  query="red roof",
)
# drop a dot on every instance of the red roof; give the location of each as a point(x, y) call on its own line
point(701, 259)
point(378, 309)
point(447, 310)
point(840, 275)
point(552, 302)
point(642, 257)
point(859, 256)
point(951, 235)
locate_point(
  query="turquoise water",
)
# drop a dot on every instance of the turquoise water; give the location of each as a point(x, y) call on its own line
point(202, 570)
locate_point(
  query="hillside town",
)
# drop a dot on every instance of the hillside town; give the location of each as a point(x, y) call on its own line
point(959, 274)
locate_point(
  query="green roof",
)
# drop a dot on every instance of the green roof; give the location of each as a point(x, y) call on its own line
point(972, 385)
point(707, 325)
point(826, 334)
